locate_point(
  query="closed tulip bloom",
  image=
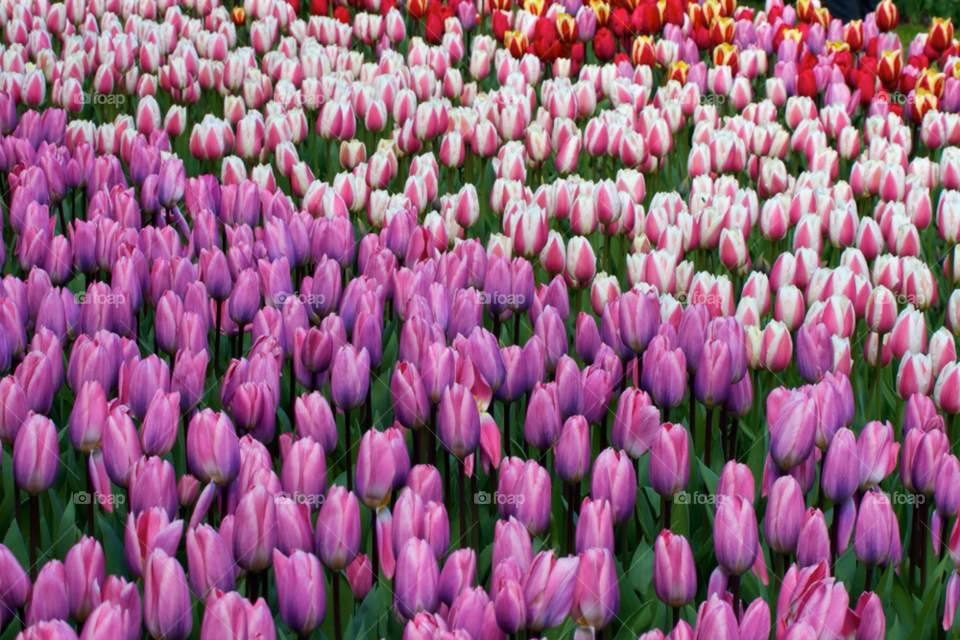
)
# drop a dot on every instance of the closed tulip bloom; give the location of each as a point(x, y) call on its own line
point(639, 320)
point(814, 352)
point(458, 575)
point(14, 581)
point(350, 377)
point(226, 616)
point(881, 312)
point(614, 479)
point(715, 619)
point(572, 459)
point(338, 529)
point(873, 625)
point(36, 455)
point(784, 515)
point(543, 419)
point(922, 455)
point(814, 544)
point(189, 375)
point(146, 532)
point(376, 468)
point(674, 572)
point(548, 588)
point(877, 453)
point(88, 417)
point(873, 533)
point(166, 598)
point(255, 530)
point(49, 599)
point(85, 572)
point(793, 432)
point(301, 594)
point(159, 431)
point(512, 540)
point(533, 483)
point(509, 606)
point(669, 460)
point(213, 449)
point(713, 377)
point(595, 526)
point(596, 595)
point(105, 621)
point(840, 479)
point(209, 562)
point(636, 424)
point(735, 535)
point(417, 579)
point(410, 404)
point(304, 472)
point(597, 389)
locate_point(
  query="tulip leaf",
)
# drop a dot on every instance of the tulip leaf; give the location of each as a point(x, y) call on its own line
point(928, 611)
point(903, 604)
point(710, 479)
point(641, 620)
point(9, 492)
point(12, 631)
point(67, 534)
point(640, 570)
point(885, 585)
point(14, 541)
point(112, 548)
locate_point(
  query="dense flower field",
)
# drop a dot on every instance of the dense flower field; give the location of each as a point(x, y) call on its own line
point(294, 340)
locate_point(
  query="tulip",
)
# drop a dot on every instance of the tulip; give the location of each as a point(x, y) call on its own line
point(209, 561)
point(614, 479)
point(338, 529)
point(674, 573)
point(669, 461)
point(300, 591)
point(735, 535)
point(713, 377)
point(49, 599)
point(839, 479)
point(784, 516)
point(636, 423)
point(255, 533)
point(793, 431)
point(350, 378)
point(166, 598)
point(213, 449)
point(596, 597)
point(376, 469)
point(147, 531)
point(548, 588)
point(417, 579)
point(873, 533)
point(85, 572)
point(36, 455)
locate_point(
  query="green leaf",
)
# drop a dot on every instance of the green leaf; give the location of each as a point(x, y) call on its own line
point(14, 541)
point(112, 548)
point(927, 612)
point(640, 620)
point(640, 570)
point(67, 534)
point(903, 604)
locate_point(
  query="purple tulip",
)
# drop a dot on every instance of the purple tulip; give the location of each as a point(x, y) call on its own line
point(85, 572)
point(674, 572)
point(670, 460)
point(301, 594)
